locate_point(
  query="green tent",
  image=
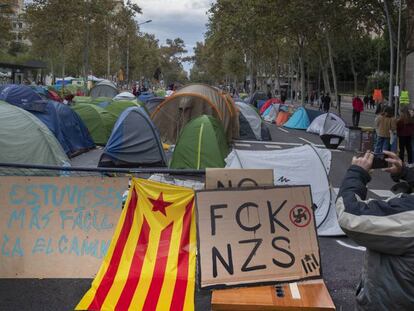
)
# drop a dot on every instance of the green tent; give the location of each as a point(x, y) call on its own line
point(25, 139)
point(117, 107)
point(82, 99)
point(98, 121)
point(202, 144)
point(98, 100)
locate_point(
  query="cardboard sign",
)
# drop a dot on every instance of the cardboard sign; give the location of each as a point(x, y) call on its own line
point(251, 236)
point(57, 227)
point(238, 178)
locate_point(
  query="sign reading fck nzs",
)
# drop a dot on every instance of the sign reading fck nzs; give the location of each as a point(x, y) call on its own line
point(260, 235)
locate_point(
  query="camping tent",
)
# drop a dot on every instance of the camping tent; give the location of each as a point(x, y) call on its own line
point(134, 142)
point(302, 118)
point(250, 122)
point(304, 165)
point(153, 103)
point(25, 139)
point(268, 103)
point(282, 117)
point(145, 96)
point(258, 95)
point(104, 88)
point(270, 114)
point(330, 127)
point(65, 124)
point(117, 107)
point(125, 96)
point(98, 121)
point(68, 129)
point(18, 94)
point(202, 144)
point(82, 100)
point(101, 99)
point(190, 102)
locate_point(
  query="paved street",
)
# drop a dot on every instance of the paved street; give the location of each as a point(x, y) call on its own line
point(341, 258)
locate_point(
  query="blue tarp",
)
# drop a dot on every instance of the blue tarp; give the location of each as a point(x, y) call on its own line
point(62, 121)
point(145, 96)
point(299, 120)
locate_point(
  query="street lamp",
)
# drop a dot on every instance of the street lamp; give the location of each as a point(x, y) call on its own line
point(127, 60)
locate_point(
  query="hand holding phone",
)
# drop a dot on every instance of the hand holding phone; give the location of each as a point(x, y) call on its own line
point(379, 161)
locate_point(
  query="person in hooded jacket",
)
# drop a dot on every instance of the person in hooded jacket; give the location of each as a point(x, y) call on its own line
point(386, 229)
point(357, 108)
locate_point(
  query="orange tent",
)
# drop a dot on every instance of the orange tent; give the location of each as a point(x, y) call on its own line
point(282, 117)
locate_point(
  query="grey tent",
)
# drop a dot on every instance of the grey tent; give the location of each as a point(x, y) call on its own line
point(134, 142)
point(25, 139)
point(256, 96)
point(153, 103)
point(104, 88)
point(251, 125)
point(330, 127)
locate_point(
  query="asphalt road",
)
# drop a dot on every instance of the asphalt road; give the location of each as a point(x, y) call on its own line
point(341, 264)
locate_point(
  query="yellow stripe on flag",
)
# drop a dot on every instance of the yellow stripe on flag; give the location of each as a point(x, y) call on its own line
point(189, 296)
point(123, 271)
point(88, 297)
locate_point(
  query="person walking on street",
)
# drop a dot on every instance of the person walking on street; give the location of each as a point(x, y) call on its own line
point(385, 125)
point(326, 102)
point(405, 130)
point(366, 101)
point(386, 229)
point(357, 108)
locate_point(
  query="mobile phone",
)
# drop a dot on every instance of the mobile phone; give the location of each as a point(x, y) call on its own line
point(379, 161)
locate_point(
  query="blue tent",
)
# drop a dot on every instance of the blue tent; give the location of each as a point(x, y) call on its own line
point(18, 94)
point(145, 96)
point(42, 91)
point(134, 142)
point(62, 121)
point(302, 118)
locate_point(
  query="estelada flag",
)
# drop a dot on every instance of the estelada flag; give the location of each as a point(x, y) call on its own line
point(150, 264)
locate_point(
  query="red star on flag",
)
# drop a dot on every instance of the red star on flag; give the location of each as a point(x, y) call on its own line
point(159, 204)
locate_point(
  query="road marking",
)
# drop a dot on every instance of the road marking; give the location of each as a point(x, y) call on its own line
point(358, 248)
point(380, 193)
point(273, 147)
point(383, 193)
point(306, 141)
point(282, 129)
point(242, 145)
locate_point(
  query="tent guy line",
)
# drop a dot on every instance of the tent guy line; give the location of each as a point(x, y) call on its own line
point(358, 248)
point(282, 129)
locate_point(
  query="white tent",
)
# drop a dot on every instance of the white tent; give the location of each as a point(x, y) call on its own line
point(270, 114)
point(303, 165)
point(327, 124)
point(252, 118)
point(124, 96)
point(330, 127)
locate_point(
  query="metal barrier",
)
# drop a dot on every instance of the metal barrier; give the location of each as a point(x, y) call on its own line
point(16, 169)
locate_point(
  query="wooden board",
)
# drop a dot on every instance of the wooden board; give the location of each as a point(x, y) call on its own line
point(314, 296)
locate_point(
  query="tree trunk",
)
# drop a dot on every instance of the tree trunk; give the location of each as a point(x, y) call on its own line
point(390, 34)
point(63, 70)
point(325, 76)
point(251, 71)
point(355, 74)
point(402, 72)
point(331, 61)
point(308, 87)
point(302, 76)
point(108, 56)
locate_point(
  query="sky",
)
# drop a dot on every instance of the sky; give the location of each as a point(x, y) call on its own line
point(175, 18)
